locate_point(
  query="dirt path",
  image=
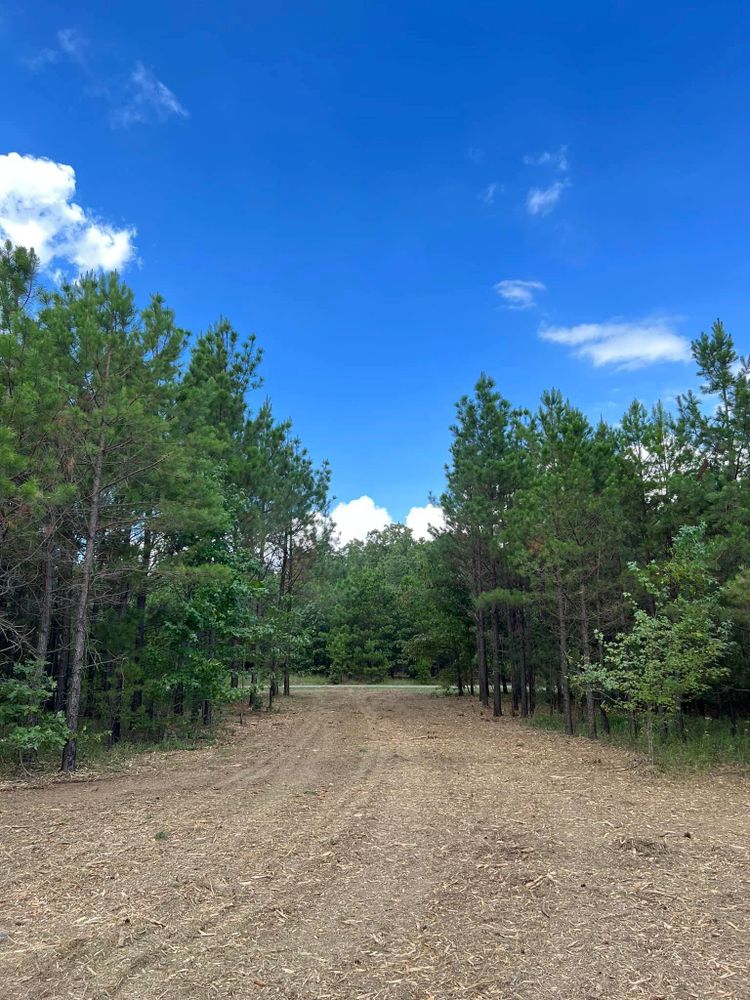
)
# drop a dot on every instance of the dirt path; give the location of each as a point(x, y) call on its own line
point(378, 844)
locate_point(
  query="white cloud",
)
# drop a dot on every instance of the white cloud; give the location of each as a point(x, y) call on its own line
point(541, 201)
point(354, 520)
point(37, 210)
point(137, 98)
point(624, 344)
point(45, 57)
point(420, 519)
point(488, 195)
point(72, 43)
point(557, 158)
point(519, 294)
point(148, 100)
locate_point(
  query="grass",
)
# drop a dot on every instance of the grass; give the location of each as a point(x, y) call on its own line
point(307, 680)
point(94, 753)
point(321, 680)
point(707, 743)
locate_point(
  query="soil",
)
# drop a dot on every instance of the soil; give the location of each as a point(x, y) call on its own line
point(386, 844)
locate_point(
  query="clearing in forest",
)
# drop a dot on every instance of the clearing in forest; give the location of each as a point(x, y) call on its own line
point(378, 844)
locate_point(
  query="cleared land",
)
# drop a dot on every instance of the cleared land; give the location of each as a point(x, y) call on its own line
point(378, 844)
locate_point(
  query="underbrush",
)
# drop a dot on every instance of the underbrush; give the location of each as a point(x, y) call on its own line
point(97, 753)
point(706, 743)
point(318, 680)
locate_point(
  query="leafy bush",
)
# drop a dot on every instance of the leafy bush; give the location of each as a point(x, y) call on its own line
point(25, 727)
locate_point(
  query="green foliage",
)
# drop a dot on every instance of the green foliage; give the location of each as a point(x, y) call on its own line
point(166, 549)
point(674, 652)
point(702, 742)
point(25, 726)
point(159, 534)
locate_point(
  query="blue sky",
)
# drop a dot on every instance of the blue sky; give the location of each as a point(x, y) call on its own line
point(365, 185)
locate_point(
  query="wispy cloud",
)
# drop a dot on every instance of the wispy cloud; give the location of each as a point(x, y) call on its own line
point(69, 43)
point(624, 344)
point(541, 201)
point(37, 62)
point(73, 44)
point(137, 97)
point(487, 196)
point(37, 210)
point(474, 154)
point(557, 158)
point(148, 100)
point(519, 294)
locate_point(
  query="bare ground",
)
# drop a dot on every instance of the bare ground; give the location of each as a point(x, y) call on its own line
point(378, 844)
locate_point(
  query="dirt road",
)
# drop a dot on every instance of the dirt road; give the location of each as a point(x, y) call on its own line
point(378, 844)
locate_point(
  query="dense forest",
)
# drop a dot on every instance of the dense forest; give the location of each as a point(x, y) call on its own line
point(166, 549)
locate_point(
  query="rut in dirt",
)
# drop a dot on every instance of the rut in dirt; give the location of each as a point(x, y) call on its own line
point(378, 844)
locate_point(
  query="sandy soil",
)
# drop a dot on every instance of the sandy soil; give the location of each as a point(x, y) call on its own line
point(378, 844)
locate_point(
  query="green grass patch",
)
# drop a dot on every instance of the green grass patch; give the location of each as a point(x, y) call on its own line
point(707, 742)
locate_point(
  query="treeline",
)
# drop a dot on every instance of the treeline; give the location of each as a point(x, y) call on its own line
point(583, 567)
point(165, 546)
point(156, 534)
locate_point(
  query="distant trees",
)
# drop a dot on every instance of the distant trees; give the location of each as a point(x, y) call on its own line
point(593, 567)
point(165, 547)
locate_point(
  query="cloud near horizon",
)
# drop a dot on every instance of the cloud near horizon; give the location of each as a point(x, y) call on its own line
point(37, 210)
point(519, 294)
point(353, 521)
point(420, 520)
point(357, 518)
point(624, 344)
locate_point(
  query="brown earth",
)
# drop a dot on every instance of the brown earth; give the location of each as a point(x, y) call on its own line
point(378, 844)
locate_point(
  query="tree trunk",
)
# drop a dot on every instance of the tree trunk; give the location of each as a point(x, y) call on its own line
point(632, 723)
point(140, 605)
point(45, 611)
point(470, 659)
point(497, 703)
point(605, 719)
point(650, 735)
point(522, 665)
point(117, 709)
point(529, 665)
point(484, 695)
point(235, 674)
point(81, 615)
point(62, 656)
point(564, 685)
point(273, 686)
point(590, 704)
